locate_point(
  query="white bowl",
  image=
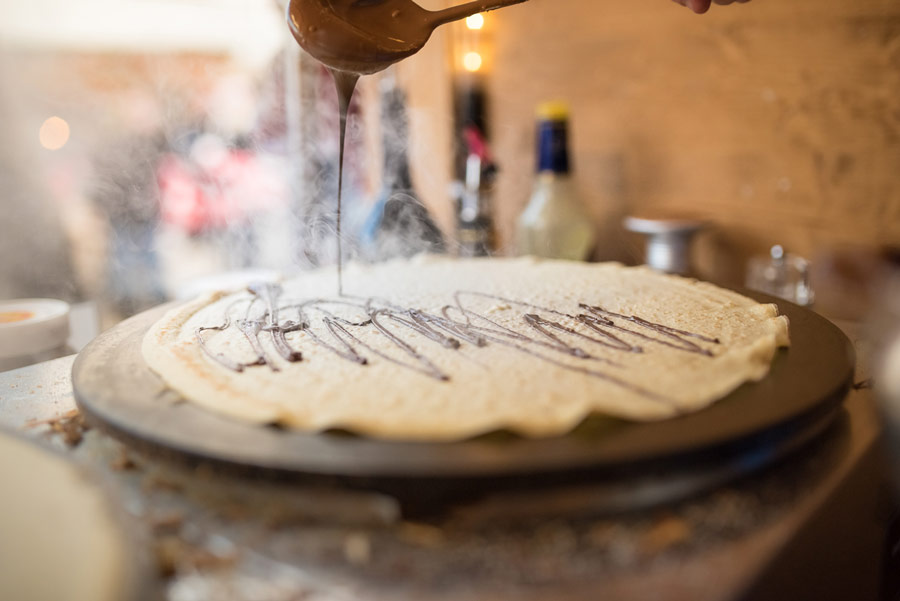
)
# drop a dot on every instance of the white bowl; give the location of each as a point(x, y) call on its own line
point(46, 328)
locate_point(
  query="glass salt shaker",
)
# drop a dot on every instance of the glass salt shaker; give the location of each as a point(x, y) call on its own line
point(781, 274)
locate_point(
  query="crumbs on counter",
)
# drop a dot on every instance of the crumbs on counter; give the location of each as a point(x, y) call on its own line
point(70, 426)
point(175, 555)
point(123, 461)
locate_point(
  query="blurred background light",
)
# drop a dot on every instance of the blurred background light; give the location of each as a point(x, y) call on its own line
point(54, 133)
point(475, 21)
point(472, 61)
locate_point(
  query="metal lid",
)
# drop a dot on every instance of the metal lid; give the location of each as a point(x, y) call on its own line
point(552, 110)
point(663, 225)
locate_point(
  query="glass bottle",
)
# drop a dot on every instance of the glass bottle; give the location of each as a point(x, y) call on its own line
point(398, 225)
point(474, 224)
point(554, 224)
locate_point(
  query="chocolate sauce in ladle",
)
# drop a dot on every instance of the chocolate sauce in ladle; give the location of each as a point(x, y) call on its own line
point(359, 37)
point(367, 36)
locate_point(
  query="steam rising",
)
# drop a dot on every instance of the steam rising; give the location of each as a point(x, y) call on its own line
point(169, 179)
point(35, 261)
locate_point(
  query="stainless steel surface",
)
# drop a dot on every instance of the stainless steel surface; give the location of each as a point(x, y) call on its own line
point(37, 393)
point(231, 539)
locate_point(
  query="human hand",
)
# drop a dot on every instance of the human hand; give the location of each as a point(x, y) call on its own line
point(701, 6)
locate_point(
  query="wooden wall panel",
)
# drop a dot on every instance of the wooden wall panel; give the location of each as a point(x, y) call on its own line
point(778, 121)
point(428, 81)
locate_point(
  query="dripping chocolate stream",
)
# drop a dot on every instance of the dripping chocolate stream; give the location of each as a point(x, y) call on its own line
point(356, 37)
point(456, 324)
point(345, 83)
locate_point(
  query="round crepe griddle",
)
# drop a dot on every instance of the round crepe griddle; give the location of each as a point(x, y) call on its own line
point(118, 392)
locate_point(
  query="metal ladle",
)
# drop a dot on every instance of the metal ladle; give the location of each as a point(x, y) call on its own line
point(366, 36)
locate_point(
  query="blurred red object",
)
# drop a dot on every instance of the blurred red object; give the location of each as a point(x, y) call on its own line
point(217, 190)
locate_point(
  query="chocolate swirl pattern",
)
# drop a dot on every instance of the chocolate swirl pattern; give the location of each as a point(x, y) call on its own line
point(259, 312)
point(438, 349)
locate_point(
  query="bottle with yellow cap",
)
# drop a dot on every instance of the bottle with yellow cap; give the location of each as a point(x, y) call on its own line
point(554, 224)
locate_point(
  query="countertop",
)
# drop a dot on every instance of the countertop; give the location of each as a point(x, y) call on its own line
point(215, 536)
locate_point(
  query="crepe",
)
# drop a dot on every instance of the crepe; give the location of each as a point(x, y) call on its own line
point(440, 349)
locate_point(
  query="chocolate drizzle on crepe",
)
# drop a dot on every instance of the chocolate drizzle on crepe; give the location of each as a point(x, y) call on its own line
point(456, 325)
